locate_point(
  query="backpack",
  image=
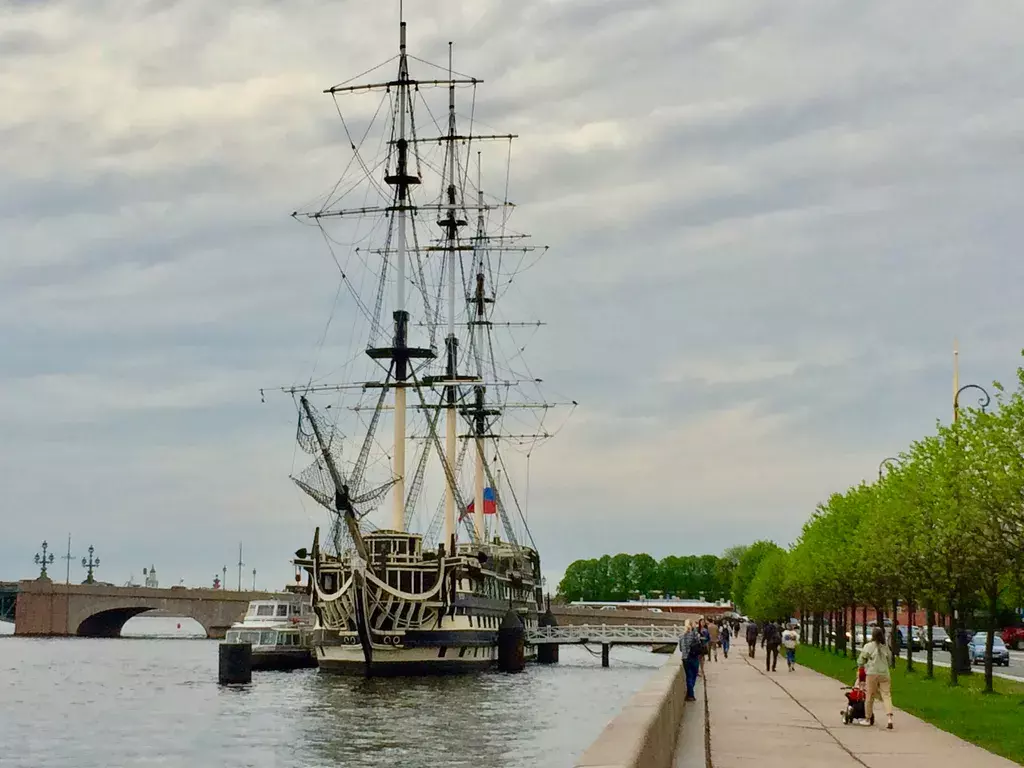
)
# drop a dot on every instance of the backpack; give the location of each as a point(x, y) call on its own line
point(696, 650)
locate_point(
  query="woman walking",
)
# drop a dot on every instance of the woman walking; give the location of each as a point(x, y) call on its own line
point(875, 658)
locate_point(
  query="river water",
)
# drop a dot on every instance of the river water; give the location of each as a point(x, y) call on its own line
point(156, 702)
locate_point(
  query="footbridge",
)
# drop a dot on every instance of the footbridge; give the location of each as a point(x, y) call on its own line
point(42, 608)
point(661, 637)
point(605, 634)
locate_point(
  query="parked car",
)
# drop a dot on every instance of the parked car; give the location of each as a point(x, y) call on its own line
point(1014, 637)
point(916, 637)
point(947, 642)
point(1000, 653)
point(939, 637)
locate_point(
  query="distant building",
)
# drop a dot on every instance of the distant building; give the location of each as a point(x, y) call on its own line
point(151, 577)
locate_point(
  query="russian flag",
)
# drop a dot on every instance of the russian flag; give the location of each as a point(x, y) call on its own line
point(490, 506)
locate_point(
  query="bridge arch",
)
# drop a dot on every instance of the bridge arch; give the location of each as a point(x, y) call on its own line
point(110, 621)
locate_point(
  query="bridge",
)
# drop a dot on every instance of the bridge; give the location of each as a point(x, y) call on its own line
point(663, 637)
point(571, 614)
point(616, 634)
point(42, 608)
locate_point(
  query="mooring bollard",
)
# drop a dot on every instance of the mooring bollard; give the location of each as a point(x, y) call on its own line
point(511, 643)
point(547, 653)
point(235, 663)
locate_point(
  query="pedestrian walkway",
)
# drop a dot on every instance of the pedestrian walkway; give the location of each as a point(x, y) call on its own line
point(792, 720)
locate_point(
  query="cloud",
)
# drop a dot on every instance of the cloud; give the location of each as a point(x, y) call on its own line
point(767, 224)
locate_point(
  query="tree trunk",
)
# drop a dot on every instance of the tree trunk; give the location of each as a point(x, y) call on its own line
point(954, 672)
point(841, 631)
point(853, 630)
point(910, 634)
point(864, 621)
point(993, 607)
point(930, 673)
point(894, 645)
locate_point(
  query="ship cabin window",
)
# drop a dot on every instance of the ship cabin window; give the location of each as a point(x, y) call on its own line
point(268, 638)
point(265, 610)
point(251, 611)
point(282, 610)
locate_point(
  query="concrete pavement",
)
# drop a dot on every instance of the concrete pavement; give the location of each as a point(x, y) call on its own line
point(792, 720)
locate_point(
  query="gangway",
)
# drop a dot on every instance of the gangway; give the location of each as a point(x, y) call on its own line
point(605, 634)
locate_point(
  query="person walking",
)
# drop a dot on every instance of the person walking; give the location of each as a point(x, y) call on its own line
point(790, 640)
point(751, 637)
point(770, 640)
point(705, 643)
point(725, 637)
point(713, 638)
point(690, 650)
point(876, 659)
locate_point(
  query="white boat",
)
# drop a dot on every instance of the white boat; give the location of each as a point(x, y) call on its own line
point(276, 631)
point(389, 599)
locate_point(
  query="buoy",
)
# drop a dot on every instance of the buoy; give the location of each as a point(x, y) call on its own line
point(179, 625)
point(511, 643)
point(547, 653)
point(235, 663)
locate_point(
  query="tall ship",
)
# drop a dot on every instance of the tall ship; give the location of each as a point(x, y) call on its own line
point(425, 550)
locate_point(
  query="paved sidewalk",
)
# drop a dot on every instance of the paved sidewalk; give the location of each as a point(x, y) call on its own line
point(792, 720)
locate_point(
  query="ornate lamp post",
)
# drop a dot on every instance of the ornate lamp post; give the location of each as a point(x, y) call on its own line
point(887, 462)
point(983, 401)
point(253, 579)
point(90, 564)
point(43, 560)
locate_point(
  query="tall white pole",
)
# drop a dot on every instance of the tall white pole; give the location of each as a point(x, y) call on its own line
point(398, 467)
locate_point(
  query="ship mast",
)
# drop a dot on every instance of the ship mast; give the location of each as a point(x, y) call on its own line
point(479, 391)
point(401, 181)
point(451, 225)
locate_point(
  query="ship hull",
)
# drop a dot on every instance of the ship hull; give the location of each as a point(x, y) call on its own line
point(406, 662)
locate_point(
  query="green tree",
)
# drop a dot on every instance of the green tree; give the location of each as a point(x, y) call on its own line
point(747, 568)
point(767, 598)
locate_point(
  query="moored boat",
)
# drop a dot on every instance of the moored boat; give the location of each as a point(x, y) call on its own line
point(277, 630)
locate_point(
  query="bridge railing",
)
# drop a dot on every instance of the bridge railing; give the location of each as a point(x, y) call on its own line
point(616, 634)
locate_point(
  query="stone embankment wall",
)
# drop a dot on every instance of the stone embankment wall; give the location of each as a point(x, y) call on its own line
point(644, 734)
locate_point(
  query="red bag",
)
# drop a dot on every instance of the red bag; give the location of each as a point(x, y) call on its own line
point(862, 674)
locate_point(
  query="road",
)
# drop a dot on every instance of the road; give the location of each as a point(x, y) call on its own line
point(1016, 668)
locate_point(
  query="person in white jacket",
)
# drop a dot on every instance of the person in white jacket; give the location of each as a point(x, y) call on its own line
point(790, 640)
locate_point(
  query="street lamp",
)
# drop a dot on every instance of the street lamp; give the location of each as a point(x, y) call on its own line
point(983, 401)
point(253, 579)
point(43, 560)
point(886, 462)
point(90, 564)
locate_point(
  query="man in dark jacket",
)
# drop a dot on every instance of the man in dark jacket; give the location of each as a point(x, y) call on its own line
point(771, 640)
point(751, 637)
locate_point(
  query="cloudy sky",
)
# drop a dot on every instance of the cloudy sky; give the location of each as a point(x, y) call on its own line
point(768, 221)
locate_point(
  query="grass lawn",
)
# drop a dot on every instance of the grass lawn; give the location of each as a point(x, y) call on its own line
point(994, 721)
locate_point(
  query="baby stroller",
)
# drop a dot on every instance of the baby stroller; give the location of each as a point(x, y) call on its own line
point(855, 698)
